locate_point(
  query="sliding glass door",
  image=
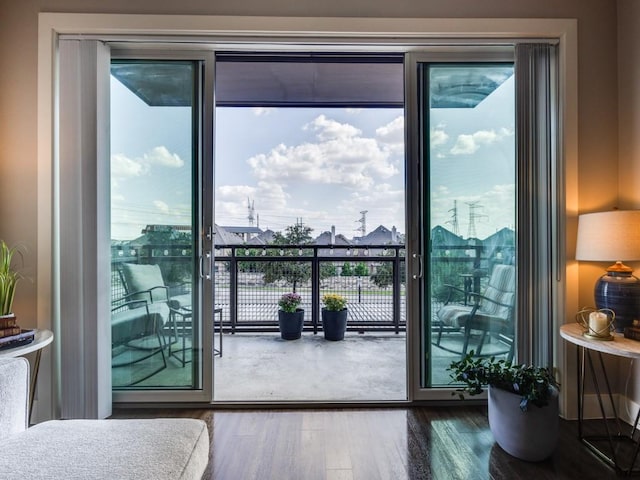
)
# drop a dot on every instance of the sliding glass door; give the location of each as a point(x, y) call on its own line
point(159, 260)
point(467, 199)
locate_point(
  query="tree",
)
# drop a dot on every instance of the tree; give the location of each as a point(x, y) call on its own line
point(297, 234)
point(383, 277)
point(444, 273)
point(347, 271)
point(292, 272)
point(361, 270)
point(327, 270)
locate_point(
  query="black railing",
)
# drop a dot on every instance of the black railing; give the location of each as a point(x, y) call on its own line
point(250, 279)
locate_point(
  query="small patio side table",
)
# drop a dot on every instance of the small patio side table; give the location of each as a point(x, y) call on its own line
point(180, 330)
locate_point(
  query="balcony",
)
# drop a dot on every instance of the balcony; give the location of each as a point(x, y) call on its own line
point(256, 365)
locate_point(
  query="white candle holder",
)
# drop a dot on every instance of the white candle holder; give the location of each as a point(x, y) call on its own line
point(597, 324)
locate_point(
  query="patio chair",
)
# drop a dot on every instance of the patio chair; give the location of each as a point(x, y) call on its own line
point(491, 313)
point(136, 335)
point(145, 282)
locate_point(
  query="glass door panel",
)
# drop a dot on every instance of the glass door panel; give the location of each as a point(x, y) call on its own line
point(154, 167)
point(468, 113)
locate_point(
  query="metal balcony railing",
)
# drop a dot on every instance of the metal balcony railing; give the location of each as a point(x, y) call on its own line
point(249, 280)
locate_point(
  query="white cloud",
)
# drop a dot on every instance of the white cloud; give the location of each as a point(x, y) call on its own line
point(161, 156)
point(392, 132)
point(464, 145)
point(161, 206)
point(123, 166)
point(353, 111)
point(328, 129)
point(467, 144)
point(391, 136)
point(438, 137)
point(260, 111)
point(340, 157)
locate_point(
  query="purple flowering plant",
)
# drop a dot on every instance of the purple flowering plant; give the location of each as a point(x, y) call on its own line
point(289, 302)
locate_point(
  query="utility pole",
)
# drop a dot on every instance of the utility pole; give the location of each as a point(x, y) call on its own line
point(473, 215)
point(454, 218)
point(250, 207)
point(363, 223)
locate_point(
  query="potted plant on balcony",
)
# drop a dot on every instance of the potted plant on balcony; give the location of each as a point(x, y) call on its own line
point(8, 281)
point(334, 316)
point(290, 317)
point(522, 403)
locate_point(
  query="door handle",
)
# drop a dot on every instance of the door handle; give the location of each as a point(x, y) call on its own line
point(418, 257)
point(205, 275)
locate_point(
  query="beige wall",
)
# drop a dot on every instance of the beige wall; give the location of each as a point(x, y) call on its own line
point(597, 94)
point(629, 137)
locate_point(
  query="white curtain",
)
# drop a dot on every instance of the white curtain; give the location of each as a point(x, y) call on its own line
point(81, 219)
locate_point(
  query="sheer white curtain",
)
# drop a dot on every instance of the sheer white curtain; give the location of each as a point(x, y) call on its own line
point(539, 200)
point(81, 231)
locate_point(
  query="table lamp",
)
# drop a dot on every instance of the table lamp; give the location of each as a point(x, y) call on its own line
point(613, 236)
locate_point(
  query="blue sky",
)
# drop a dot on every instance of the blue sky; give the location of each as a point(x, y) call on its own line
point(323, 166)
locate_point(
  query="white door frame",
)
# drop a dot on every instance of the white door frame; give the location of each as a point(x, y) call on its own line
point(397, 34)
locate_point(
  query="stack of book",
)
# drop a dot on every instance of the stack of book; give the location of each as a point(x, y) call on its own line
point(11, 335)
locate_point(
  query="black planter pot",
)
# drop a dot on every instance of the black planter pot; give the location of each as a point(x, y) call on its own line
point(334, 323)
point(291, 324)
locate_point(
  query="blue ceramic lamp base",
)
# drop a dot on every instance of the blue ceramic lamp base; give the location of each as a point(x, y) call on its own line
point(620, 292)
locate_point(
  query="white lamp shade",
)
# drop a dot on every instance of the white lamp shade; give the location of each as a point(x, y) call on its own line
point(609, 236)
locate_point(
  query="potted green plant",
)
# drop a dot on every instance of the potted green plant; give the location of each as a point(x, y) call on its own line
point(290, 317)
point(522, 403)
point(8, 279)
point(334, 316)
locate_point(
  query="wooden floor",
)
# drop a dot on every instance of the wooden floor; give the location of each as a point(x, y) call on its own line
point(369, 444)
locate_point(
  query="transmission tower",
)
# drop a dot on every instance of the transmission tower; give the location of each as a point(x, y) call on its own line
point(473, 215)
point(363, 223)
point(454, 218)
point(252, 212)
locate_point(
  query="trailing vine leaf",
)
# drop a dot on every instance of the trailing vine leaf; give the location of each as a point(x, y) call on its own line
point(533, 384)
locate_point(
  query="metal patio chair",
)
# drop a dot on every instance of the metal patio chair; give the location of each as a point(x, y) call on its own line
point(491, 313)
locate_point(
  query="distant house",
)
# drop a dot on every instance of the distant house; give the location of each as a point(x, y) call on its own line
point(330, 238)
point(500, 247)
point(264, 238)
point(446, 243)
point(381, 236)
point(225, 237)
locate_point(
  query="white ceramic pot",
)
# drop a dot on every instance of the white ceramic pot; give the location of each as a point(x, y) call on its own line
point(530, 435)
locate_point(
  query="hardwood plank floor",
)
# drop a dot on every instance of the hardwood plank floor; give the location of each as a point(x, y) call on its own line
point(369, 444)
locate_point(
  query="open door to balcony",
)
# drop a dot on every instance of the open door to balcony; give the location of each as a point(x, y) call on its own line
point(310, 199)
point(310, 193)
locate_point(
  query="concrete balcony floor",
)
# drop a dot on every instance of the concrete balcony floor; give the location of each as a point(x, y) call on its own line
point(261, 367)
